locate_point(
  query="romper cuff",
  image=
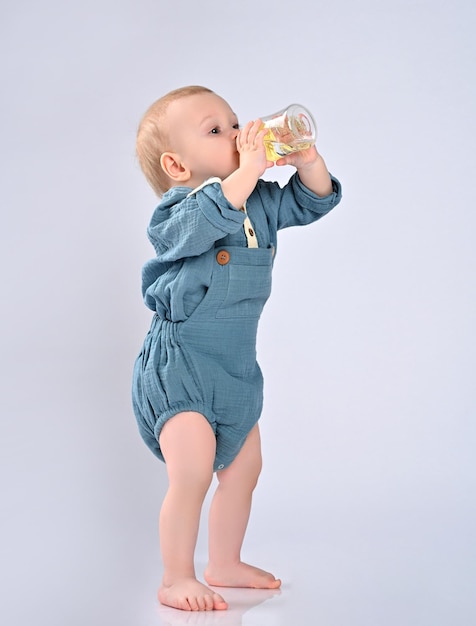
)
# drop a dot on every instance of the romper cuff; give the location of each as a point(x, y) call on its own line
point(332, 199)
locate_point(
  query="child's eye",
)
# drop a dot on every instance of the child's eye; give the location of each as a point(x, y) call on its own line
point(236, 126)
point(215, 131)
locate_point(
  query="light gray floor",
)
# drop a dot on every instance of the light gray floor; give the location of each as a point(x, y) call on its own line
point(336, 585)
point(355, 583)
point(397, 566)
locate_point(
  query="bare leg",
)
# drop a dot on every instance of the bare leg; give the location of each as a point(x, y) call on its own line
point(229, 514)
point(188, 444)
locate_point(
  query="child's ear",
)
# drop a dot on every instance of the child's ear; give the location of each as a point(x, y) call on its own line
point(174, 168)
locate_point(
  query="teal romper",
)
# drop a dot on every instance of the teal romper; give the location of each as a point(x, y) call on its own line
point(207, 286)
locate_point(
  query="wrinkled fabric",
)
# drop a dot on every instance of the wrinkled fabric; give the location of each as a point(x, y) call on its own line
point(200, 352)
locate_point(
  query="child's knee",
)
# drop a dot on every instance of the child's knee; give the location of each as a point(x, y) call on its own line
point(191, 479)
point(242, 473)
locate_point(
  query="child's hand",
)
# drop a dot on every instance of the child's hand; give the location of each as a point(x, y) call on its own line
point(300, 159)
point(238, 186)
point(312, 170)
point(250, 145)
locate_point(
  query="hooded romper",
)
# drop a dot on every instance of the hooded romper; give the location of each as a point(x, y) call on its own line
point(207, 287)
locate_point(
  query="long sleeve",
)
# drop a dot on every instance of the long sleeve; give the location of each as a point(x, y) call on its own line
point(183, 228)
point(186, 224)
point(294, 204)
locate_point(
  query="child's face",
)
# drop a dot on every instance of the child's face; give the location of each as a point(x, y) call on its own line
point(203, 131)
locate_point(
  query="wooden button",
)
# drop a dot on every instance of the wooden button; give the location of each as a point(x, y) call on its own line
point(223, 257)
point(251, 232)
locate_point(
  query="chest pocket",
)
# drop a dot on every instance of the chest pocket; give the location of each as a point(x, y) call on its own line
point(246, 281)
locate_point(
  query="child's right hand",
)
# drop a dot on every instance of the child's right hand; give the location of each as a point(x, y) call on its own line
point(238, 186)
point(250, 145)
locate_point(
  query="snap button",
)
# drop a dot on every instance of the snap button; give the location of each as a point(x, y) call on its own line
point(220, 466)
point(223, 257)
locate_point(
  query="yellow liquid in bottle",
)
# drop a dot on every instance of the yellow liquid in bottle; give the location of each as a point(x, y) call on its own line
point(276, 149)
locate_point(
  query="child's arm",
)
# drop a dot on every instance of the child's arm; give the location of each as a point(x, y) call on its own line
point(238, 186)
point(309, 163)
point(311, 169)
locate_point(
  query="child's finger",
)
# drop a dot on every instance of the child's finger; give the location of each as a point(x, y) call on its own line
point(245, 131)
point(262, 134)
point(255, 130)
point(242, 137)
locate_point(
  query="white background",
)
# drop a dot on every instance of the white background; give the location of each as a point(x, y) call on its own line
point(366, 506)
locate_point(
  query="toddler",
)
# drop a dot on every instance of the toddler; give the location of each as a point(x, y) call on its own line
point(197, 388)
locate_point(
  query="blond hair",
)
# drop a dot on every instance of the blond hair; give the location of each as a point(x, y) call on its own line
point(152, 137)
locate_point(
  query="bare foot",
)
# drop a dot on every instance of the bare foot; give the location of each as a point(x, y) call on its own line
point(240, 575)
point(190, 595)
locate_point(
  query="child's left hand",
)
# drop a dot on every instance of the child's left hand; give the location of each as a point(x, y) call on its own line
point(312, 170)
point(300, 158)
